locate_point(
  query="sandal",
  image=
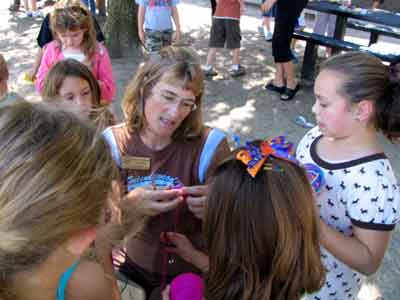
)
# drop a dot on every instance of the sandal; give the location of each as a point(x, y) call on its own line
point(289, 93)
point(270, 86)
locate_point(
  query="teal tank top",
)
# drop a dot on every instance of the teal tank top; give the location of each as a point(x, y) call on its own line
point(63, 282)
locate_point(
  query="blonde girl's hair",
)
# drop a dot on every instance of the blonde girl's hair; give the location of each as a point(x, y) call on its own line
point(55, 177)
point(75, 18)
point(179, 66)
point(367, 78)
point(72, 68)
point(261, 233)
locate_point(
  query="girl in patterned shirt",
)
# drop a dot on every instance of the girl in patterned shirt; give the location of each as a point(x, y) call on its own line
point(356, 97)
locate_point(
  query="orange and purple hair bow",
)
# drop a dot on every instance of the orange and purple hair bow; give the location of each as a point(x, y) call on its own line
point(255, 157)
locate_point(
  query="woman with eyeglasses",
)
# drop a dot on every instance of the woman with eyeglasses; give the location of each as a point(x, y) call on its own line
point(164, 144)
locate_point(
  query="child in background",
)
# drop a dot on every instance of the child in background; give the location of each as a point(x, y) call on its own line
point(260, 230)
point(56, 178)
point(359, 205)
point(76, 39)
point(45, 36)
point(6, 97)
point(154, 23)
point(266, 18)
point(225, 32)
point(71, 82)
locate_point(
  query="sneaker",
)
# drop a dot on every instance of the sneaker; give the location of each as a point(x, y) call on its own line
point(237, 72)
point(28, 14)
point(268, 36)
point(209, 72)
point(37, 14)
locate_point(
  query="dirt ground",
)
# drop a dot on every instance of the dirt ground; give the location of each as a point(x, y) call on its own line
point(240, 105)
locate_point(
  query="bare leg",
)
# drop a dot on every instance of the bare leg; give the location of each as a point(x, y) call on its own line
point(26, 5)
point(288, 72)
point(236, 56)
point(211, 56)
point(279, 76)
point(33, 5)
point(267, 23)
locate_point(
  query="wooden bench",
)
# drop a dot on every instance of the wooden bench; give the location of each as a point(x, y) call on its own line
point(313, 40)
point(375, 30)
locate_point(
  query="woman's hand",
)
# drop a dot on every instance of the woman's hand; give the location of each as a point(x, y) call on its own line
point(148, 203)
point(196, 199)
point(185, 249)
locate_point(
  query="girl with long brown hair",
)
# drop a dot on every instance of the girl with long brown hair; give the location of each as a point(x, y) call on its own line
point(71, 83)
point(260, 231)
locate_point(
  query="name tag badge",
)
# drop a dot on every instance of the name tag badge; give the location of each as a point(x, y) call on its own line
point(136, 163)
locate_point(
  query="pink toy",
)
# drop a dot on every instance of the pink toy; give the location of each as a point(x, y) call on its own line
point(187, 286)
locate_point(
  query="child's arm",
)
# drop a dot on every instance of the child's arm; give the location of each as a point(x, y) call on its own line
point(175, 17)
point(184, 248)
point(105, 75)
point(362, 252)
point(140, 22)
point(242, 7)
point(47, 61)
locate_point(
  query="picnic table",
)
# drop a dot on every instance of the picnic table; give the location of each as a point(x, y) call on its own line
point(380, 21)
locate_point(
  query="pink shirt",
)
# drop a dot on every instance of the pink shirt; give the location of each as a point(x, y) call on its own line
point(100, 66)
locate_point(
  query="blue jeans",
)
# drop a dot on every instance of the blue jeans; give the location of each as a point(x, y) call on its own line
point(90, 4)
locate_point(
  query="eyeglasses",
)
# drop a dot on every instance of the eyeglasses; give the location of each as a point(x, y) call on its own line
point(168, 97)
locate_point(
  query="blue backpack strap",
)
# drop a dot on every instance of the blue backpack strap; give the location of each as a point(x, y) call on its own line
point(110, 139)
point(214, 138)
point(63, 282)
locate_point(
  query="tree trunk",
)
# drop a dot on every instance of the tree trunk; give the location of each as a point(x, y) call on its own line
point(121, 27)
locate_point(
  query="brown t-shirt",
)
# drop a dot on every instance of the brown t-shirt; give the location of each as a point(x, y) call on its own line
point(176, 163)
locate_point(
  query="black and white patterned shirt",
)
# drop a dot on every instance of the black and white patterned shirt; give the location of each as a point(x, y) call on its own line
point(363, 193)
